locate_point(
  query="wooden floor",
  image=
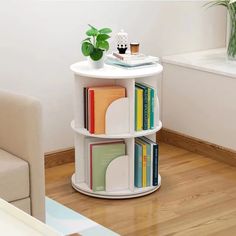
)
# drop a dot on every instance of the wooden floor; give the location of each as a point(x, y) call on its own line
point(197, 197)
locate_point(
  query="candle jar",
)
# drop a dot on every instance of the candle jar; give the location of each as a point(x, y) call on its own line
point(122, 41)
point(134, 48)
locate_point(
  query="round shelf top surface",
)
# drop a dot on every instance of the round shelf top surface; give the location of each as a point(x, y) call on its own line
point(112, 72)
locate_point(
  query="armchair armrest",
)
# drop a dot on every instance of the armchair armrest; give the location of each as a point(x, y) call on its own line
point(21, 135)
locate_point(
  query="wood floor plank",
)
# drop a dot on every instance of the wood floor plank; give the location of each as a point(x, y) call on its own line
point(197, 197)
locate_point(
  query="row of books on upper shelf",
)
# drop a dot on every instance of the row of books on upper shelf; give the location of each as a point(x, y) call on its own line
point(146, 163)
point(99, 153)
point(131, 61)
point(144, 107)
point(96, 102)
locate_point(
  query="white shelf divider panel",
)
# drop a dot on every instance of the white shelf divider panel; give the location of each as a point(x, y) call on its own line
point(117, 174)
point(117, 117)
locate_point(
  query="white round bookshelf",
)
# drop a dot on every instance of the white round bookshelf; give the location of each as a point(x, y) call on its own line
point(119, 124)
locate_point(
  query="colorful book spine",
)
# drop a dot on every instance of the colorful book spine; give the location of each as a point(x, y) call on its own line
point(138, 166)
point(138, 109)
point(144, 161)
point(148, 178)
point(152, 108)
point(155, 165)
point(149, 108)
point(145, 105)
point(91, 111)
point(85, 108)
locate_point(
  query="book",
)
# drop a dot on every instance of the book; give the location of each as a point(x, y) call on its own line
point(85, 107)
point(129, 56)
point(138, 166)
point(100, 157)
point(138, 109)
point(87, 144)
point(149, 160)
point(129, 62)
point(155, 164)
point(145, 104)
point(144, 162)
point(102, 98)
point(91, 111)
point(151, 105)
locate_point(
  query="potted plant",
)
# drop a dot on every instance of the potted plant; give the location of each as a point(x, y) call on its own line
point(95, 45)
point(231, 7)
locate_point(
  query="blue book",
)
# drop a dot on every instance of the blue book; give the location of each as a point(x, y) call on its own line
point(138, 166)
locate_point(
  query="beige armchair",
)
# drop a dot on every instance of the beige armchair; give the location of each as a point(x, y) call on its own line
point(21, 154)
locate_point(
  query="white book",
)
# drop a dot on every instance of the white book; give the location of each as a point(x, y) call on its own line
point(111, 59)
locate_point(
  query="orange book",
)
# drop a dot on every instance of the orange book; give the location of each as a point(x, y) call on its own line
point(103, 97)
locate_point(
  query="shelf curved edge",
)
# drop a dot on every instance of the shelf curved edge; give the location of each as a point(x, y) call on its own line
point(124, 194)
point(83, 69)
point(126, 135)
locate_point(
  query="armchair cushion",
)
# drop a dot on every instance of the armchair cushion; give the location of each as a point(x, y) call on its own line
point(14, 177)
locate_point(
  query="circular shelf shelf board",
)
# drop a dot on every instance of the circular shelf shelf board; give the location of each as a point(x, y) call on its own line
point(127, 135)
point(124, 194)
point(112, 72)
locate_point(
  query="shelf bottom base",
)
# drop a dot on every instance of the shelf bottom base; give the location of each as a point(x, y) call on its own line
point(123, 194)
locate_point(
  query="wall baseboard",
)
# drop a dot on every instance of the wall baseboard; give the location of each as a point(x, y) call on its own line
point(59, 157)
point(201, 147)
point(198, 146)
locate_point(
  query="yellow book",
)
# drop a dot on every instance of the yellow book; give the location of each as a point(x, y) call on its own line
point(144, 162)
point(138, 109)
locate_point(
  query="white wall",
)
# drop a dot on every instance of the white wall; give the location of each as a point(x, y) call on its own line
point(40, 39)
point(200, 104)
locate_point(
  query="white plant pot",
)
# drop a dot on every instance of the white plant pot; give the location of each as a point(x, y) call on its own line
point(97, 64)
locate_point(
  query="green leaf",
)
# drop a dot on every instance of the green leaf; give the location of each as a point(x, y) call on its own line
point(96, 54)
point(102, 37)
point(92, 27)
point(105, 31)
point(87, 39)
point(92, 32)
point(87, 48)
point(103, 45)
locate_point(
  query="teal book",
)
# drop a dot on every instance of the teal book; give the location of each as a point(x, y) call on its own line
point(145, 104)
point(138, 166)
point(152, 107)
point(101, 156)
point(149, 157)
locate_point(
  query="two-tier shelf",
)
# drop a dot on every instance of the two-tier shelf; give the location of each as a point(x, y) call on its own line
point(120, 117)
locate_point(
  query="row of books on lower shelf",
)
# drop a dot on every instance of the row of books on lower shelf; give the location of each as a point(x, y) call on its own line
point(146, 163)
point(144, 107)
point(100, 153)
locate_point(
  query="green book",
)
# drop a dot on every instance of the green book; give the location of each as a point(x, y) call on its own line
point(101, 157)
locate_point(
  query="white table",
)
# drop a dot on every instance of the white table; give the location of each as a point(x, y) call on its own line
point(15, 222)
